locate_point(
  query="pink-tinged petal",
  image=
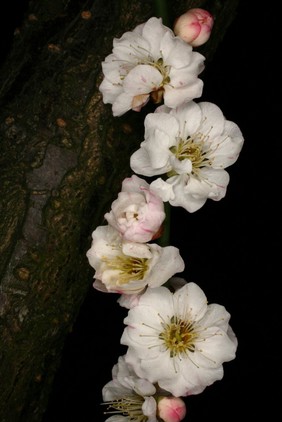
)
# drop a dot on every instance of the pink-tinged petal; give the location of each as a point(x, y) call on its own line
point(194, 26)
point(133, 184)
point(140, 101)
point(171, 409)
point(137, 213)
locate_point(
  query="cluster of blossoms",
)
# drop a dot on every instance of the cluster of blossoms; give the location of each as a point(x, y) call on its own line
point(176, 341)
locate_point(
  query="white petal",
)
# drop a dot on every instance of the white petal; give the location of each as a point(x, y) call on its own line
point(225, 149)
point(133, 184)
point(213, 186)
point(149, 409)
point(168, 264)
point(130, 48)
point(176, 52)
point(110, 92)
point(142, 79)
point(191, 301)
point(141, 160)
point(212, 119)
point(174, 97)
point(164, 123)
point(140, 163)
point(139, 250)
point(122, 104)
point(153, 31)
point(163, 189)
point(181, 166)
point(143, 387)
point(216, 315)
point(216, 348)
point(189, 117)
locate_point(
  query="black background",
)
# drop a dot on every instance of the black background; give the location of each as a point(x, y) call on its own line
point(231, 248)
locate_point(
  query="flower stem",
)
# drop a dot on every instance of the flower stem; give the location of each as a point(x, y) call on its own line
point(161, 11)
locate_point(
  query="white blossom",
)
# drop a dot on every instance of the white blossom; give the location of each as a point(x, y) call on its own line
point(177, 340)
point(191, 145)
point(150, 62)
point(128, 267)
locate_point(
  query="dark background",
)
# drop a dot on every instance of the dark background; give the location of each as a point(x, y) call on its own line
point(231, 248)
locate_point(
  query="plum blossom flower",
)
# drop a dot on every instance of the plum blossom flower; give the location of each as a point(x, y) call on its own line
point(177, 340)
point(171, 409)
point(137, 213)
point(128, 396)
point(192, 145)
point(150, 62)
point(135, 399)
point(128, 267)
point(194, 26)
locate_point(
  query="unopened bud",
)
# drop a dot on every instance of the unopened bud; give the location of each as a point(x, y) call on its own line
point(171, 409)
point(194, 26)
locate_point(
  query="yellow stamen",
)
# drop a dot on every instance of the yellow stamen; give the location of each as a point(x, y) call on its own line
point(130, 268)
point(179, 336)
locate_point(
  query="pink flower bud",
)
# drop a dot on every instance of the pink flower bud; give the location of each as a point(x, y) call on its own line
point(137, 213)
point(194, 26)
point(171, 409)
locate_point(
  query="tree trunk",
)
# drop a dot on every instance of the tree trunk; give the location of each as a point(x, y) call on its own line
point(63, 158)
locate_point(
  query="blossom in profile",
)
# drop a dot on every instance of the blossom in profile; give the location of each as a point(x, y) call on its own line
point(194, 26)
point(129, 267)
point(178, 340)
point(128, 397)
point(137, 213)
point(150, 62)
point(191, 145)
point(134, 399)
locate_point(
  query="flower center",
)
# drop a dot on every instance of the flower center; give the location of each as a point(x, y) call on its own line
point(130, 268)
point(188, 149)
point(192, 149)
point(130, 406)
point(178, 336)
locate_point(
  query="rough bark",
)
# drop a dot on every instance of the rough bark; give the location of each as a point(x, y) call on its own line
point(63, 157)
